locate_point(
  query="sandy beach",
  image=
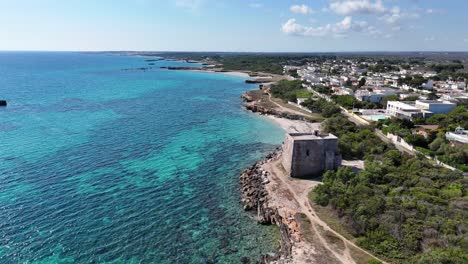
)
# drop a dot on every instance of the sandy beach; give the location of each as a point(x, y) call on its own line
point(239, 74)
point(232, 73)
point(293, 126)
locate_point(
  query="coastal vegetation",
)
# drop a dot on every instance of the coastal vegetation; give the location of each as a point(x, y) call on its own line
point(289, 91)
point(322, 89)
point(400, 207)
point(350, 102)
point(412, 80)
point(354, 142)
point(254, 62)
point(321, 106)
point(433, 142)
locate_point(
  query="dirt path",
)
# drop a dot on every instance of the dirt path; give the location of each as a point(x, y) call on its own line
point(298, 190)
point(285, 109)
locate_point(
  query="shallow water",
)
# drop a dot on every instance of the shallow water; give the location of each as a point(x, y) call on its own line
point(104, 163)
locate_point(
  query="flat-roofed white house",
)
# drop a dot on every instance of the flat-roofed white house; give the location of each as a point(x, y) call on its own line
point(403, 110)
point(436, 107)
point(374, 96)
point(419, 108)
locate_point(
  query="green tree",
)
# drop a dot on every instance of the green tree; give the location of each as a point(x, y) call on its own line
point(362, 81)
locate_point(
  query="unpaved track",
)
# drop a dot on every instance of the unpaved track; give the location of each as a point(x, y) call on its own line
point(285, 109)
point(299, 190)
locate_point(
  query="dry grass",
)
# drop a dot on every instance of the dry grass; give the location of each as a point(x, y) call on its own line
point(359, 256)
point(314, 116)
point(306, 227)
point(329, 217)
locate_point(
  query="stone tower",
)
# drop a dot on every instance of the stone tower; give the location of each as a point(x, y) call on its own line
point(310, 154)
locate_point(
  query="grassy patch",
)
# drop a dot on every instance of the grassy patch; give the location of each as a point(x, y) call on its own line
point(361, 257)
point(425, 151)
point(327, 215)
point(303, 94)
point(332, 239)
point(306, 227)
point(314, 116)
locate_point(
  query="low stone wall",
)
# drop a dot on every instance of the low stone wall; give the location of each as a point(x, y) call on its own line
point(400, 141)
point(300, 106)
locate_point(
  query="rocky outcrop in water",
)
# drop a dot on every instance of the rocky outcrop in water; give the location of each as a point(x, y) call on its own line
point(3, 103)
point(255, 197)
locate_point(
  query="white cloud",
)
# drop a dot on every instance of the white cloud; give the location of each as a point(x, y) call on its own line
point(190, 5)
point(435, 11)
point(256, 5)
point(348, 7)
point(387, 36)
point(339, 29)
point(431, 38)
point(466, 40)
point(395, 15)
point(301, 9)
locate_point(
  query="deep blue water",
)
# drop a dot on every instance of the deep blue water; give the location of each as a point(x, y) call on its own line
point(103, 163)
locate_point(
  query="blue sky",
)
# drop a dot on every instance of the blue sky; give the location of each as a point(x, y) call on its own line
point(236, 25)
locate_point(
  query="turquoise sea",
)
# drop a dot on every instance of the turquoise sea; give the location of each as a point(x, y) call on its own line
point(102, 162)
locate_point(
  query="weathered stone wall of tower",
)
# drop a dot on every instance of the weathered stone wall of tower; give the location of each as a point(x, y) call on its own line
point(310, 154)
point(287, 154)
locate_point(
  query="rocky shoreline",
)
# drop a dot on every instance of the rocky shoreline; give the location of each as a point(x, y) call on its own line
point(256, 107)
point(255, 197)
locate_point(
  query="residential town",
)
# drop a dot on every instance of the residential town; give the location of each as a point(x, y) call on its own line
point(382, 88)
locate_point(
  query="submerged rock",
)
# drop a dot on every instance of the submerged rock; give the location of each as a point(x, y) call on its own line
point(255, 197)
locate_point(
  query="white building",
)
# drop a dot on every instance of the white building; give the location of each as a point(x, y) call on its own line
point(428, 85)
point(375, 81)
point(374, 96)
point(436, 107)
point(460, 135)
point(429, 75)
point(343, 91)
point(418, 109)
point(404, 110)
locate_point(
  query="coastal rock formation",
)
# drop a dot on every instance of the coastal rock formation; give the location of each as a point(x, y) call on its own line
point(185, 68)
point(151, 60)
point(257, 108)
point(138, 69)
point(247, 97)
point(256, 197)
point(254, 102)
point(259, 80)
